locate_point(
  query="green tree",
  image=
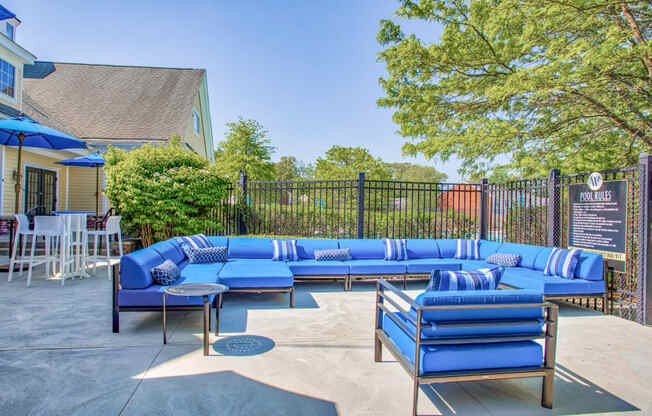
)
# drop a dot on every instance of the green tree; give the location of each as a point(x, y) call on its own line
point(341, 162)
point(163, 191)
point(288, 168)
point(245, 149)
point(546, 84)
point(403, 171)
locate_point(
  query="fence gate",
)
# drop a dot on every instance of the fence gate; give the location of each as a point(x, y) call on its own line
point(40, 191)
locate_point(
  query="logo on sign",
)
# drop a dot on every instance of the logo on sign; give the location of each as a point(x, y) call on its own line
point(595, 181)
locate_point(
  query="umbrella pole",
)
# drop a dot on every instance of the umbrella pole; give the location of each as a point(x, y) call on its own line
point(97, 189)
point(19, 175)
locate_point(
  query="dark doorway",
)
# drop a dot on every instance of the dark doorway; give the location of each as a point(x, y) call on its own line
point(40, 191)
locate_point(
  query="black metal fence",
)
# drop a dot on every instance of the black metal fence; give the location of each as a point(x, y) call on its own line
point(531, 211)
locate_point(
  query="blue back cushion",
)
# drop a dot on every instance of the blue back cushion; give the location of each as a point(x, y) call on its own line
point(136, 268)
point(480, 297)
point(306, 246)
point(590, 266)
point(218, 240)
point(528, 253)
point(422, 249)
point(250, 248)
point(487, 248)
point(170, 249)
point(542, 258)
point(364, 249)
point(447, 248)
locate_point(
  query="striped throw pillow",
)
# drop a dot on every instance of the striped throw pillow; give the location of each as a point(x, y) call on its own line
point(562, 263)
point(448, 280)
point(468, 249)
point(195, 241)
point(395, 249)
point(285, 250)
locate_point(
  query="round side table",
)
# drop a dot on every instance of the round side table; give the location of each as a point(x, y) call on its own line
point(197, 289)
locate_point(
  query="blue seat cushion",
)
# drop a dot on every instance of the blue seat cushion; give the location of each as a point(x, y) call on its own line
point(523, 278)
point(487, 248)
point(461, 357)
point(555, 285)
point(475, 264)
point(376, 267)
point(317, 268)
point(364, 249)
point(306, 247)
point(480, 297)
point(422, 249)
point(425, 266)
point(447, 248)
point(153, 295)
point(258, 274)
point(136, 268)
point(528, 253)
point(170, 250)
point(250, 248)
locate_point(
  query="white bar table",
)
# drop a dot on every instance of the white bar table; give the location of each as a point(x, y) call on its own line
point(76, 218)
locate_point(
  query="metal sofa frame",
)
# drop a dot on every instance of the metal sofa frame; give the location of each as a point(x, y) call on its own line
point(546, 370)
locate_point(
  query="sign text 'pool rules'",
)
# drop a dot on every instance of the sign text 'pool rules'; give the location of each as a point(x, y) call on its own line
point(598, 221)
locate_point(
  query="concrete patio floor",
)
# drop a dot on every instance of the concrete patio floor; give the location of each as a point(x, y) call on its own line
point(58, 356)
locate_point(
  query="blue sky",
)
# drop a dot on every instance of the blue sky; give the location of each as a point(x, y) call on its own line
point(306, 70)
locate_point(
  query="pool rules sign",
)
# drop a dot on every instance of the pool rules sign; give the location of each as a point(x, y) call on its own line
point(597, 217)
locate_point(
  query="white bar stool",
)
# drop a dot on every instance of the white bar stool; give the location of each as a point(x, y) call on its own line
point(22, 230)
point(111, 229)
point(52, 229)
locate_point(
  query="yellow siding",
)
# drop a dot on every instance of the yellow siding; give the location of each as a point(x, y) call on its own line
point(82, 189)
point(11, 155)
point(196, 142)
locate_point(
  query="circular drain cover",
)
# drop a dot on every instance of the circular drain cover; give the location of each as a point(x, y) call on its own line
point(243, 345)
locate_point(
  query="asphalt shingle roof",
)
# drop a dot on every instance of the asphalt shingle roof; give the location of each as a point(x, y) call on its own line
point(113, 102)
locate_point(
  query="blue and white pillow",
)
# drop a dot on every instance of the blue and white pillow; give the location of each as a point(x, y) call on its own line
point(562, 262)
point(395, 249)
point(206, 255)
point(503, 259)
point(468, 249)
point(285, 250)
point(333, 254)
point(166, 273)
point(481, 279)
point(195, 241)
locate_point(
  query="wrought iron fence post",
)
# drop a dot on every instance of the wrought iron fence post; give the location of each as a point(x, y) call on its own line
point(644, 238)
point(484, 209)
point(360, 204)
point(242, 204)
point(554, 197)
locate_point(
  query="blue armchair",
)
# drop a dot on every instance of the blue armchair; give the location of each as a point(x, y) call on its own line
point(467, 336)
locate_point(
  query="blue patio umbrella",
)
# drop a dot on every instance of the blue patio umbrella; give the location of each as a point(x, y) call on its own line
point(23, 131)
point(93, 160)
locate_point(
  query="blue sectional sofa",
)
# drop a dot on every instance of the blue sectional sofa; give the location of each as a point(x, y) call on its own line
point(468, 336)
point(250, 269)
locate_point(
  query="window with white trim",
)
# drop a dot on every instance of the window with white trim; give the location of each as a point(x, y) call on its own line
point(7, 78)
point(195, 123)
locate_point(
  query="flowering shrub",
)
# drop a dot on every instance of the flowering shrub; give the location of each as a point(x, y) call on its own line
point(163, 191)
